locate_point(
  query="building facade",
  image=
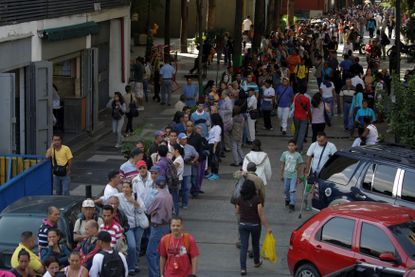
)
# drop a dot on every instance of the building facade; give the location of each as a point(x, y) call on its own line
point(60, 61)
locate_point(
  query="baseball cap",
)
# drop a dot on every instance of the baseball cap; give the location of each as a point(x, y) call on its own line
point(104, 236)
point(155, 168)
point(158, 133)
point(182, 136)
point(141, 163)
point(88, 203)
point(161, 181)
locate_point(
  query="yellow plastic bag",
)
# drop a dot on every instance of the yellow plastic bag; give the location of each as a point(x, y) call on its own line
point(268, 250)
point(292, 127)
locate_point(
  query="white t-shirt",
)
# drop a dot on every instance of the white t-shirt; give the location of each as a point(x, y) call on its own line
point(372, 137)
point(214, 134)
point(325, 91)
point(110, 191)
point(246, 24)
point(357, 80)
point(180, 168)
point(268, 92)
point(315, 151)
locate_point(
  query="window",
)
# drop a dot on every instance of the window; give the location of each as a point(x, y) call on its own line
point(384, 179)
point(367, 181)
point(405, 234)
point(374, 241)
point(408, 186)
point(339, 170)
point(338, 231)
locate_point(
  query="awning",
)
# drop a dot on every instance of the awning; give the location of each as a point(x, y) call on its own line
point(72, 31)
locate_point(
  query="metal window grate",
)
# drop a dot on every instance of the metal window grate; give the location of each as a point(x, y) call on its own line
point(18, 11)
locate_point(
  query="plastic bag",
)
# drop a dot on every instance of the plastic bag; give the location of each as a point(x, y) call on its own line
point(268, 250)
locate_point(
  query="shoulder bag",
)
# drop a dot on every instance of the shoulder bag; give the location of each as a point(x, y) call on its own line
point(58, 170)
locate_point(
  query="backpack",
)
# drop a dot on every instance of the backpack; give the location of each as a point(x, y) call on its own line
point(112, 265)
point(171, 176)
point(371, 24)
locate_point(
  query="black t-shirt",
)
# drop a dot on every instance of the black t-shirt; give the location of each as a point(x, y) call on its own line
point(248, 210)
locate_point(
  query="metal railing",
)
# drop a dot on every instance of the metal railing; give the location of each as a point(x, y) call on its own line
point(18, 11)
point(23, 175)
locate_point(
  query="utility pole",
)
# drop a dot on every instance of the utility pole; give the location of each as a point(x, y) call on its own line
point(199, 12)
point(398, 37)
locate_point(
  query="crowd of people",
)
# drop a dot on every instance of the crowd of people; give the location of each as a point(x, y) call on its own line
point(140, 206)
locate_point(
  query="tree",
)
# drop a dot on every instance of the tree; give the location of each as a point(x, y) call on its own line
point(167, 29)
point(277, 14)
point(199, 12)
point(290, 12)
point(270, 15)
point(211, 16)
point(237, 36)
point(259, 25)
point(183, 31)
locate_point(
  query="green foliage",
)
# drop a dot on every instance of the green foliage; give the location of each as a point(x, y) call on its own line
point(129, 142)
point(402, 116)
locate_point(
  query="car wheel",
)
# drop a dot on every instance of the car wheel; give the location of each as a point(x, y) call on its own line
point(307, 270)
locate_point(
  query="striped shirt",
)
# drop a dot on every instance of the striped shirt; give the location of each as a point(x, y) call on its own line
point(115, 230)
point(42, 235)
point(128, 170)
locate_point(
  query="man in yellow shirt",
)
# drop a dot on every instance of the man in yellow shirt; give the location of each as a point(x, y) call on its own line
point(28, 243)
point(61, 157)
point(301, 74)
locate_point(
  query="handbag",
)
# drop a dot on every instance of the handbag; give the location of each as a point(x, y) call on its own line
point(58, 170)
point(133, 108)
point(266, 105)
point(143, 219)
point(253, 114)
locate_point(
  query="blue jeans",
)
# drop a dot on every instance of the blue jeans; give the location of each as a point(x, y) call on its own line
point(61, 184)
point(346, 110)
point(145, 88)
point(185, 190)
point(330, 102)
point(300, 133)
point(166, 91)
point(152, 255)
point(134, 236)
point(194, 190)
point(245, 230)
point(175, 195)
point(290, 187)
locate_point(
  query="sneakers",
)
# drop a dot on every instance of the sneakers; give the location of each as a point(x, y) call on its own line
point(292, 208)
point(208, 175)
point(213, 177)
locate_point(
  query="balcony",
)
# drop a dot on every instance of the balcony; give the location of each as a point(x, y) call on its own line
point(18, 11)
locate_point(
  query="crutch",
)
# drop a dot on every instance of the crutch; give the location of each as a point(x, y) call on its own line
point(305, 192)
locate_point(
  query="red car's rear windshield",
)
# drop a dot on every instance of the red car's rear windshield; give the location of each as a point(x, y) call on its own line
point(405, 234)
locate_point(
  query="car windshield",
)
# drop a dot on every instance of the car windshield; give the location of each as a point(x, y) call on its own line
point(405, 234)
point(11, 227)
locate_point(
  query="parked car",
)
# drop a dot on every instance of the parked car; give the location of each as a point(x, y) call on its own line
point(27, 214)
point(384, 172)
point(342, 235)
point(369, 270)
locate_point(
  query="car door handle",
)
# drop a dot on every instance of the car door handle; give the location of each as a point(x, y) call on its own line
point(362, 260)
point(318, 246)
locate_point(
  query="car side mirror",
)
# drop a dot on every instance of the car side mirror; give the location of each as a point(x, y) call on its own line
point(388, 257)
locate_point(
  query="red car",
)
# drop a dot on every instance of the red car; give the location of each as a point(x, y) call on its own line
point(343, 235)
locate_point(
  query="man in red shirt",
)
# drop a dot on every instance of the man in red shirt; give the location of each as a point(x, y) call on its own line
point(302, 115)
point(292, 61)
point(178, 252)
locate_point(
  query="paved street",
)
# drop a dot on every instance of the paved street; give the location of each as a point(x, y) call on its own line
point(211, 218)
